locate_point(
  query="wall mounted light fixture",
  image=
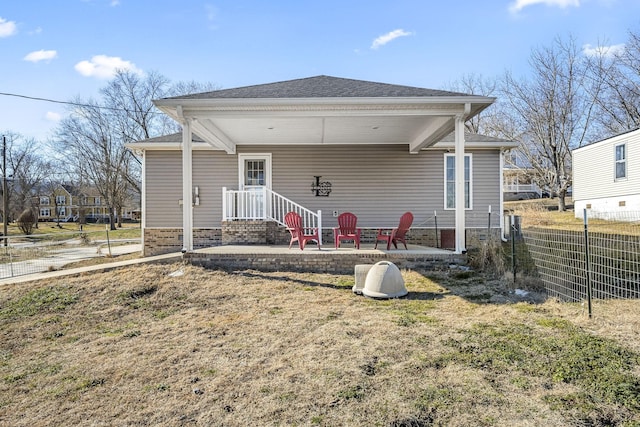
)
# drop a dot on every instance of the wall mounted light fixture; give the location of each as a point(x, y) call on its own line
point(321, 189)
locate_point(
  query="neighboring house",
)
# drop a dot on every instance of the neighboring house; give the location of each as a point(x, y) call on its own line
point(519, 178)
point(93, 207)
point(72, 204)
point(58, 205)
point(248, 155)
point(606, 176)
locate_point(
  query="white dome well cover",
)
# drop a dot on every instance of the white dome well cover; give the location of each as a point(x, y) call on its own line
point(384, 281)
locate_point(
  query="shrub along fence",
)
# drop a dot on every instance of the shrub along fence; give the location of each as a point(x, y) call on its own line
point(598, 258)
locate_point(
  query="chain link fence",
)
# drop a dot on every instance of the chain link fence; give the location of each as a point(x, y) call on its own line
point(21, 255)
point(596, 257)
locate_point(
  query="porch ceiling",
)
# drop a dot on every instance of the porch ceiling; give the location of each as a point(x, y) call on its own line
point(318, 130)
point(417, 126)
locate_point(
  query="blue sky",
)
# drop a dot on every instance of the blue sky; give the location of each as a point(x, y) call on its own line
point(67, 48)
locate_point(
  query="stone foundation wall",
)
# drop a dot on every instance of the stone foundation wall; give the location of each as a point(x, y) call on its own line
point(244, 232)
point(164, 240)
point(206, 237)
point(316, 261)
point(158, 241)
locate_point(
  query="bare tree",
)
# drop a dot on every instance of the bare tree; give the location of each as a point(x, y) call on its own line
point(549, 113)
point(129, 97)
point(26, 169)
point(476, 84)
point(90, 136)
point(615, 85)
point(189, 87)
point(94, 134)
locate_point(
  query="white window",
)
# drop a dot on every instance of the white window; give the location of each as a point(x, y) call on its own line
point(44, 200)
point(61, 200)
point(97, 200)
point(45, 212)
point(62, 211)
point(450, 181)
point(254, 170)
point(621, 161)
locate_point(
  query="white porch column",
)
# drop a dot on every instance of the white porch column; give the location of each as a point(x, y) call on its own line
point(187, 183)
point(459, 184)
point(143, 199)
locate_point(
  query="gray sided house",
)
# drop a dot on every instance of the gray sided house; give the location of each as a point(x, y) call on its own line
point(606, 176)
point(320, 146)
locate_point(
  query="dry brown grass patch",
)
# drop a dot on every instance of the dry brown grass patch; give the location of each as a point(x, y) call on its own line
point(137, 346)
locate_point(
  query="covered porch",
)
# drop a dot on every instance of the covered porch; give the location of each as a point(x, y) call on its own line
point(321, 113)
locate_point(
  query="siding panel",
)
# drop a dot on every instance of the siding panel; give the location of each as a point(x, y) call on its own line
point(163, 182)
point(212, 170)
point(594, 170)
point(378, 183)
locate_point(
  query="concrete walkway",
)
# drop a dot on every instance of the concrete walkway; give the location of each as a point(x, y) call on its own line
point(69, 257)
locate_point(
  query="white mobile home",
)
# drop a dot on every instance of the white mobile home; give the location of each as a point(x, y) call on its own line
point(606, 176)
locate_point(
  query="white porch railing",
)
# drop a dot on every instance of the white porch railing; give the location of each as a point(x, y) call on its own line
point(261, 203)
point(522, 188)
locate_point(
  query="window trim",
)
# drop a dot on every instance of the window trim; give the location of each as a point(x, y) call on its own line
point(622, 161)
point(266, 157)
point(470, 195)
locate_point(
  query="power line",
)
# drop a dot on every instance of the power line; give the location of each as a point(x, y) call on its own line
point(75, 104)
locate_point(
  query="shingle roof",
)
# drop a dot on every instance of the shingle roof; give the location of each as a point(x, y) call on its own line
point(322, 87)
point(173, 137)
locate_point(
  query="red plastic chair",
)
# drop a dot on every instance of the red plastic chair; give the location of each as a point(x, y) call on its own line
point(397, 234)
point(295, 227)
point(347, 229)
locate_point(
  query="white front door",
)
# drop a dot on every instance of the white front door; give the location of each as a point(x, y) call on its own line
point(254, 176)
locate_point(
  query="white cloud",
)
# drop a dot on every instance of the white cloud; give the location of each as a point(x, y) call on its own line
point(386, 38)
point(105, 67)
point(53, 117)
point(41, 55)
point(211, 12)
point(518, 5)
point(7, 28)
point(608, 51)
point(114, 3)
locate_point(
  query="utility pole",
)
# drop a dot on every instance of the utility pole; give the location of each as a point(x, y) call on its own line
point(5, 199)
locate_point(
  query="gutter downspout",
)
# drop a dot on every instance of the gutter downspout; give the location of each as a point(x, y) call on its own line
point(459, 180)
point(501, 212)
